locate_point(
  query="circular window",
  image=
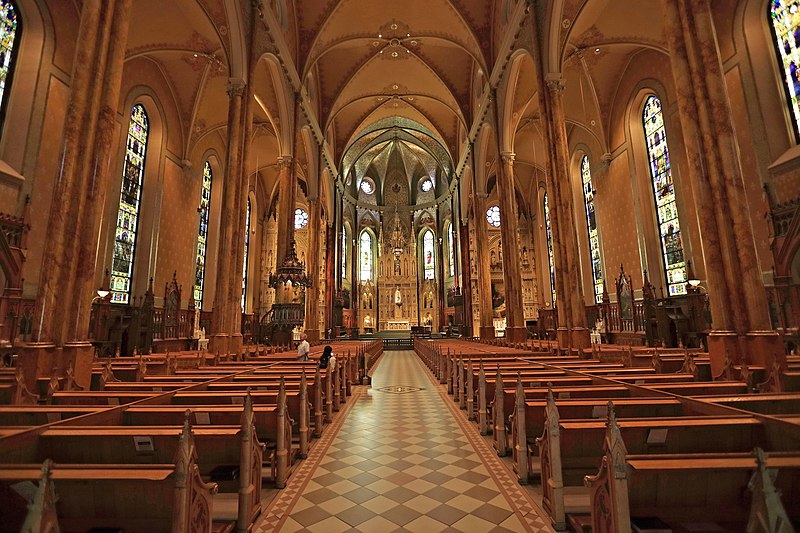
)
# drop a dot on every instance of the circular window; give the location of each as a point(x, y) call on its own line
point(426, 185)
point(367, 187)
point(493, 216)
point(300, 218)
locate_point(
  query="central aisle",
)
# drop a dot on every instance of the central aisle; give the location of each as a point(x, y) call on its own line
point(402, 459)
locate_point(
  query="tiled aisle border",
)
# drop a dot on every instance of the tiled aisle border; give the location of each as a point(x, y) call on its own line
point(521, 503)
point(278, 510)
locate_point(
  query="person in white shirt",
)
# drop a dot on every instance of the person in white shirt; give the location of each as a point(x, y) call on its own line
point(332, 362)
point(303, 348)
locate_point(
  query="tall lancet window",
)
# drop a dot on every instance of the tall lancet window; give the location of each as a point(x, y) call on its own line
point(344, 253)
point(10, 29)
point(129, 206)
point(246, 255)
point(365, 254)
point(550, 260)
point(664, 191)
point(784, 18)
point(451, 263)
point(591, 225)
point(202, 236)
point(428, 255)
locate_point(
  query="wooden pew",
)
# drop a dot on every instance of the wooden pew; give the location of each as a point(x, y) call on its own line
point(693, 487)
point(136, 498)
point(572, 449)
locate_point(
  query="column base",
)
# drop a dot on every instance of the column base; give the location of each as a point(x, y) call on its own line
point(486, 332)
point(37, 360)
point(235, 343)
point(312, 335)
point(516, 334)
point(81, 355)
point(580, 339)
point(562, 337)
point(722, 345)
point(218, 344)
point(763, 348)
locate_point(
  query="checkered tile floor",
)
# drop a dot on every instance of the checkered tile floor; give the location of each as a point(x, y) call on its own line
point(401, 458)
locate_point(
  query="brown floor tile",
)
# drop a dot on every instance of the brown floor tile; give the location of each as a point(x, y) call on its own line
point(446, 514)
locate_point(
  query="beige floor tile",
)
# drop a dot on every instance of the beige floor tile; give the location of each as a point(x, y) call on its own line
point(425, 524)
point(379, 504)
point(329, 525)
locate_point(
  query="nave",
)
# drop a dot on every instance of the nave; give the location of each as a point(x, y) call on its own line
point(403, 459)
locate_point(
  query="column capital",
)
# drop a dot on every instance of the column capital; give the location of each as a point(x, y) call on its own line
point(508, 157)
point(285, 161)
point(236, 87)
point(555, 82)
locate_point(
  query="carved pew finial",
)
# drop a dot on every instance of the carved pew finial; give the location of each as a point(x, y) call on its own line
point(549, 445)
point(54, 385)
point(282, 444)
point(767, 514)
point(23, 396)
point(247, 414)
point(42, 509)
point(500, 443)
point(141, 369)
point(304, 415)
point(614, 443)
point(656, 361)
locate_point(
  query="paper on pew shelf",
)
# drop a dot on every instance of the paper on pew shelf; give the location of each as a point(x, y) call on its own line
point(657, 436)
point(53, 417)
point(113, 401)
point(203, 419)
point(563, 395)
point(600, 411)
point(143, 444)
point(639, 382)
point(158, 389)
point(237, 400)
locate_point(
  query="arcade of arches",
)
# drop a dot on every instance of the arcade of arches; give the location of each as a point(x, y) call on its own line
point(471, 167)
point(582, 171)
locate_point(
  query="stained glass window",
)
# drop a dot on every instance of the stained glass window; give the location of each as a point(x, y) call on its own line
point(366, 256)
point(426, 185)
point(550, 260)
point(10, 29)
point(129, 206)
point(367, 186)
point(300, 218)
point(428, 255)
point(785, 21)
point(246, 255)
point(591, 225)
point(344, 253)
point(664, 192)
point(493, 216)
point(202, 236)
point(450, 252)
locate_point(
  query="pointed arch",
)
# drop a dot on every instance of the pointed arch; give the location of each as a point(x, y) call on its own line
point(130, 204)
point(666, 206)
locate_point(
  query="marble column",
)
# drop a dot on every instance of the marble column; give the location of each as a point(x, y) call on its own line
point(741, 328)
point(312, 269)
point(482, 264)
point(98, 174)
point(440, 271)
point(571, 308)
point(466, 279)
point(229, 216)
point(65, 292)
point(287, 192)
point(509, 231)
point(330, 277)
